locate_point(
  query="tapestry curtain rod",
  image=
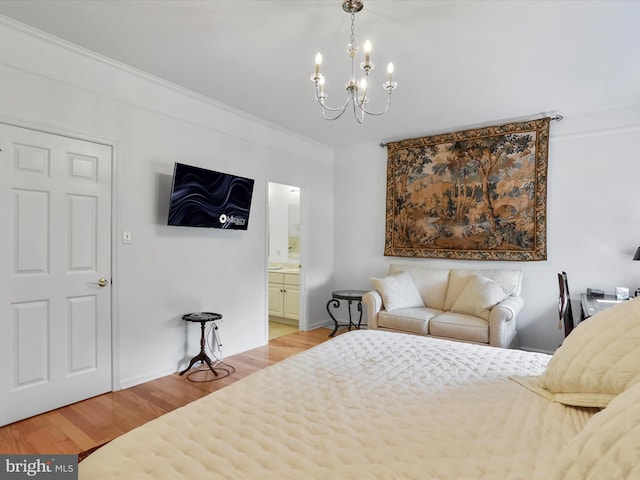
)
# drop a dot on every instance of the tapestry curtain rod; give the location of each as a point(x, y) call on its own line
point(555, 118)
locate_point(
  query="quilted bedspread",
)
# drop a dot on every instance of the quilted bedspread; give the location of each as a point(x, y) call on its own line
point(365, 405)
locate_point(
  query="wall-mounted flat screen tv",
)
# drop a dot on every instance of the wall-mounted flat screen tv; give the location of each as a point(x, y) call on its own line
point(209, 199)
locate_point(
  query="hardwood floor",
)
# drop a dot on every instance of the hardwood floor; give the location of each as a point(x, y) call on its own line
point(88, 424)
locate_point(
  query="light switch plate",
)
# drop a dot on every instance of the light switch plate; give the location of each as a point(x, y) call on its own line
point(126, 236)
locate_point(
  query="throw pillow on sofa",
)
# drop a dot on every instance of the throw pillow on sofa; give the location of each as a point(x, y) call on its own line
point(478, 297)
point(398, 291)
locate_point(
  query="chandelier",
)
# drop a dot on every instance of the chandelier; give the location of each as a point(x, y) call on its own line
point(356, 91)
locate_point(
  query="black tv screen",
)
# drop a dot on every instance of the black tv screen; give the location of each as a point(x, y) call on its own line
point(209, 199)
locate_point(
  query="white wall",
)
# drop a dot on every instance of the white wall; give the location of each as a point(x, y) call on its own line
point(593, 217)
point(169, 271)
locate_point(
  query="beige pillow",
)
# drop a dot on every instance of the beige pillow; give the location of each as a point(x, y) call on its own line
point(608, 446)
point(398, 291)
point(478, 297)
point(599, 360)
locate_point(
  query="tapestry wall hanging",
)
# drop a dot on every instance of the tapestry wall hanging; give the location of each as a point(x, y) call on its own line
point(476, 194)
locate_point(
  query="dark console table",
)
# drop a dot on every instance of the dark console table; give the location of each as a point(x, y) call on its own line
point(591, 304)
point(203, 318)
point(350, 296)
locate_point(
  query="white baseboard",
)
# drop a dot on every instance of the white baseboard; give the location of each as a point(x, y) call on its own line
point(528, 349)
point(133, 381)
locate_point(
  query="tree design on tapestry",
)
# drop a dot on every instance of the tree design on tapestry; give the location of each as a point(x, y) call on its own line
point(477, 194)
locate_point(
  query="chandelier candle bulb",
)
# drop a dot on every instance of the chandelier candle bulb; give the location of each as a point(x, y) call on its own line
point(367, 54)
point(390, 71)
point(318, 62)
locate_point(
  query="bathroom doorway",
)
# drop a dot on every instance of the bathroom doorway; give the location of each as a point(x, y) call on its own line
point(285, 279)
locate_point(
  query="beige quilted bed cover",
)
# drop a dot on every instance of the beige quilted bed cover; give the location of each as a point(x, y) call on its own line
point(365, 405)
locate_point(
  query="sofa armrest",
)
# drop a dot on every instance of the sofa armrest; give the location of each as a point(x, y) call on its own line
point(373, 301)
point(502, 321)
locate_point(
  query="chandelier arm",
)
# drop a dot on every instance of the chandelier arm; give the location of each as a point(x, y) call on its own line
point(340, 111)
point(359, 119)
point(326, 117)
point(333, 109)
point(381, 112)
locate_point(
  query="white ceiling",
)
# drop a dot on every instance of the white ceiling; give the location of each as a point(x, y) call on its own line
point(458, 63)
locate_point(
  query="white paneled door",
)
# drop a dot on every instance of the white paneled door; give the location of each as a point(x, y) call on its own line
point(55, 271)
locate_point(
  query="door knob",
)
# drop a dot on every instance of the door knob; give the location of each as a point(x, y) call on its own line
point(103, 282)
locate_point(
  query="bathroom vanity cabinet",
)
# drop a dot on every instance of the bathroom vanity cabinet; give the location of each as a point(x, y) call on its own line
point(284, 296)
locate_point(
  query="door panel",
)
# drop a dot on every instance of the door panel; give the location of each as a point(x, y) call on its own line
point(83, 328)
point(30, 321)
point(276, 300)
point(292, 302)
point(55, 327)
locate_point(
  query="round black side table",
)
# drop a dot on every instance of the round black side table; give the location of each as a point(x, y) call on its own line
point(203, 318)
point(350, 296)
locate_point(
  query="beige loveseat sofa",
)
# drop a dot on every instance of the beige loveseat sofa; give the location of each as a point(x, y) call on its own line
point(478, 306)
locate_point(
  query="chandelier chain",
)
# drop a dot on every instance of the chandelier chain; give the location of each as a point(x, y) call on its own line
point(353, 28)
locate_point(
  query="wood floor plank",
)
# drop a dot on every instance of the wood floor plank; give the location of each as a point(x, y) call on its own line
point(88, 424)
point(71, 431)
point(12, 441)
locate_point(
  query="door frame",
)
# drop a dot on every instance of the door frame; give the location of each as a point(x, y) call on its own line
point(303, 322)
point(52, 130)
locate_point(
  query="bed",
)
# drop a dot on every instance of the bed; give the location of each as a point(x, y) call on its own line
point(383, 405)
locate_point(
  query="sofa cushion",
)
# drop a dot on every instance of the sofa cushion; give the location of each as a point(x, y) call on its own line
point(460, 326)
point(478, 297)
point(431, 283)
point(509, 280)
point(414, 320)
point(398, 291)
